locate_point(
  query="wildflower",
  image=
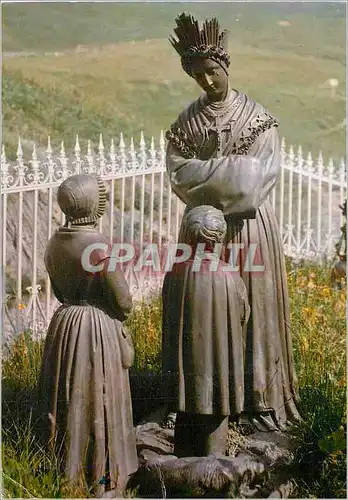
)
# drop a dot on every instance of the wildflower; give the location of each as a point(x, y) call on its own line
point(311, 285)
point(21, 306)
point(325, 291)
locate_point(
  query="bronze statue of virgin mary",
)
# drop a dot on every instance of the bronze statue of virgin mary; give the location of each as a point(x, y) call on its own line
point(224, 150)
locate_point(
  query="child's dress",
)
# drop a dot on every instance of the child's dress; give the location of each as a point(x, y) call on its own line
point(84, 383)
point(203, 339)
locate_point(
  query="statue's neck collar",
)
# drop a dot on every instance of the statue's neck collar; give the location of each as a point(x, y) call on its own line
point(217, 107)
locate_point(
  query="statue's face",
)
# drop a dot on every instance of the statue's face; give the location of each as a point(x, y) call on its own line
point(211, 77)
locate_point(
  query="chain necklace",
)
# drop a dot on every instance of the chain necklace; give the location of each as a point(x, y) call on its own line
point(216, 124)
point(221, 108)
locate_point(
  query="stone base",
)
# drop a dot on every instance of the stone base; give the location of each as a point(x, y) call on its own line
point(258, 466)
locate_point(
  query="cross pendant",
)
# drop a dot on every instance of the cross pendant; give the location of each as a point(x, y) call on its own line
point(218, 129)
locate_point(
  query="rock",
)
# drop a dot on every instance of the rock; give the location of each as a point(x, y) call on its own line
point(210, 476)
point(152, 437)
point(269, 448)
point(260, 467)
point(282, 490)
point(150, 458)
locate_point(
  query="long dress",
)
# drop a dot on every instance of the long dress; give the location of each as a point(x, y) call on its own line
point(202, 339)
point(227, 155)
point(84, 384)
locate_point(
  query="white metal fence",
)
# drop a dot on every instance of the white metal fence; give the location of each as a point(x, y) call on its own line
point(142, 209)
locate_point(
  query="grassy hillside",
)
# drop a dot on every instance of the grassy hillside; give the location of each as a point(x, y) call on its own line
point(128, 78)
point(58, 26)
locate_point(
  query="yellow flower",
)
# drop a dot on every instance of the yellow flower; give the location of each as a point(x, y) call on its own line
point(20, 307)
point(325, 291)
point(311, 315)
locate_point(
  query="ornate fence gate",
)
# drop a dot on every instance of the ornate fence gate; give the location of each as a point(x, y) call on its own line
point(142, 209)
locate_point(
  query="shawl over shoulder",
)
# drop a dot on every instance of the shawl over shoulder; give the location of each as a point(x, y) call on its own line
point(228, 159)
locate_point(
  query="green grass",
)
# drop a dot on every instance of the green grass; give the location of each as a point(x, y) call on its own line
point(145, 323)
point(30, 470)
point(123, 84)
point(318, 325)
point(55, 26)
point(318, 322)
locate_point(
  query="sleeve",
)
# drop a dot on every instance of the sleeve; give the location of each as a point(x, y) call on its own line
point(235, 184)
point(114, 294)
point(267, 149)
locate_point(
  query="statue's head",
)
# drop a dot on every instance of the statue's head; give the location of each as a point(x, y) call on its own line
point(82, 198)
point(203, 54)
point(204, 224)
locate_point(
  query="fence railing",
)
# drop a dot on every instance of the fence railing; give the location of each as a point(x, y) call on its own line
point(142, 209)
